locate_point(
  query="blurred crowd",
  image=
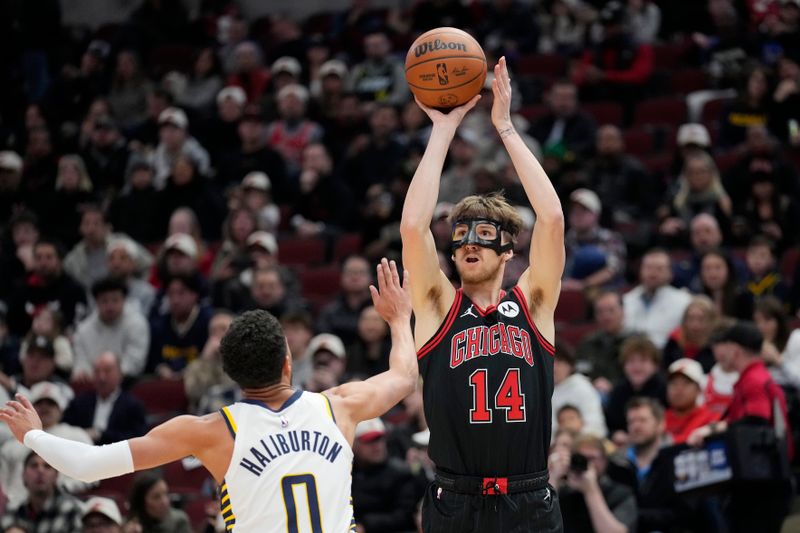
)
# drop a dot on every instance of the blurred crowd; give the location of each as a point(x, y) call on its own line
point(162, 174)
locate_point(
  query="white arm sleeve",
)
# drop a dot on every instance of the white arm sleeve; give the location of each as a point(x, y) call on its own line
point(81, 461)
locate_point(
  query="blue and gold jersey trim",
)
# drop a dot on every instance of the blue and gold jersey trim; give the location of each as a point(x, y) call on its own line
point(229, 421)
point(328, 407)
point(225, 507)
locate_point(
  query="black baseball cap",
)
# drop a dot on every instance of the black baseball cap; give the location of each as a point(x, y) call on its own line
point(742, 332)
point(42, 344)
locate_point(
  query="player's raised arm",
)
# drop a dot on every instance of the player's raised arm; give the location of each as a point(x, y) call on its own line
point(419, 249)
point(175, 439)
point(542, 281)
point(363, 400)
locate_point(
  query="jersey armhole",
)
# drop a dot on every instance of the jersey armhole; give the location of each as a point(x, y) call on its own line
point(229, 421)
point(328, 406)
point(524, 304)
point(447, 323)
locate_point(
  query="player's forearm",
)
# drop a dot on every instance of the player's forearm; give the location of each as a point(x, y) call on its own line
point(423, 192)
point(81, 461)
point(403, 356)
point(538, 188)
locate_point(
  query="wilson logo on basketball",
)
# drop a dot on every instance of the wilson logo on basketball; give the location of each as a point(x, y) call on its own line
point(438, 44)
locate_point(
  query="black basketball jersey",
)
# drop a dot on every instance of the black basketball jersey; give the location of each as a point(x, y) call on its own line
point(488, 383)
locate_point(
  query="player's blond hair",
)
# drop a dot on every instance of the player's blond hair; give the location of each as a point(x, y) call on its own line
point(492, 206)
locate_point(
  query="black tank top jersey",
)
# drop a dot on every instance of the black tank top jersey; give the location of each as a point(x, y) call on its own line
point(488, 384)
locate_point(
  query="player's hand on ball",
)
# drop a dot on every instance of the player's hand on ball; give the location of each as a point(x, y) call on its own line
point(20, 416)
point(392, 299)
point(501, 90)
point(451, 119)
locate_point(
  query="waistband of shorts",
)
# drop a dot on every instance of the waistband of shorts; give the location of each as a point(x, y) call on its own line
point(492, 485)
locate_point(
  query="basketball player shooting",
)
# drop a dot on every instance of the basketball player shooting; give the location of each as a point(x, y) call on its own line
point(486, 355)
point(282, 457)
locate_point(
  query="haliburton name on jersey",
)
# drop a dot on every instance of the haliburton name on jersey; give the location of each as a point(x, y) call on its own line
point(274, 446)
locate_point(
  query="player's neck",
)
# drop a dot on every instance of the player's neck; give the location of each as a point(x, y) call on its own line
point(273, 396)
point(485, 294)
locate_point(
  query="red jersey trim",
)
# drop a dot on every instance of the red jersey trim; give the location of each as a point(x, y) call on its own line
point(447, 324)
point(491, 308)
point(524, 304)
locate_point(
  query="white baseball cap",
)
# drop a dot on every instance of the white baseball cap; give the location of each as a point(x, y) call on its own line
point(122, 243)
point(286, 64)
point(333, 66)
point(234, 93)
point(183, 243)
point(369, 430)
point(46, 390)
point(10, 161)
point(326, 341)
point(174, 116)
point(296, 89)
point(587, 199)
point(257, 180)
point(104, 506)
point(263, 239)
point(689, 368)
point(693, 133)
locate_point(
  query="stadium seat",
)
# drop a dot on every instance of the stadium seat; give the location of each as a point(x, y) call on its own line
point(81, 387)
point(115, 486)
point(658, 111)
point(712, 110)
point(322, 281)
point(658, 164)
point(347, 244)
point(533, 111)
point(571, 307)
point(573, 334)
point(196, 511)
point(638, 141)
point(684, 81)
point(604, 112)
point(725, 162)
point(670, 55)
point(162, 398)
point(297, 251)
point(170, 57)
point(185, 481)
point(789, 263)
point(542, 65)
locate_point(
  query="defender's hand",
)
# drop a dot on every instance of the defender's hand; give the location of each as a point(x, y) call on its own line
point(391, 299)
point(501, 89)
point(451, 119)
point(20, 416)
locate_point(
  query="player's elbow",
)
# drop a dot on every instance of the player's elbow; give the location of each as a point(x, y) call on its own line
point(412, 228)
point(552, 218)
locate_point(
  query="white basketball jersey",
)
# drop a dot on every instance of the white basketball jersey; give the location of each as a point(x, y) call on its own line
point(290, 470)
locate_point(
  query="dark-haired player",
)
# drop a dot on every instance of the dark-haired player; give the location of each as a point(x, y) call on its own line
point(282, 456)
point(486, 356)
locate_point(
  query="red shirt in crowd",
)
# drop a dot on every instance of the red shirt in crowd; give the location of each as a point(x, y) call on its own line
point(679, 426)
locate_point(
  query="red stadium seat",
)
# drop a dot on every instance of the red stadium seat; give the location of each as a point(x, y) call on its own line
point(789, 263)
point(638, 141)
point(658, 163)
point(543, 65)
point(604, 112)
point(669, 55)
point(534, 111)
point(726, 161)
point(347, 244)
point(571, 307)
point(658, 111)
point(120, 485)
point(684, 81)
point(196, 510)
point(297, 251)
point(573, 334)
point(185, 481)
point(162, 398)
point(322, 281)
point(712, 110)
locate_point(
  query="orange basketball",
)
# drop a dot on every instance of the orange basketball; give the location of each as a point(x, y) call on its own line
point(445, 67)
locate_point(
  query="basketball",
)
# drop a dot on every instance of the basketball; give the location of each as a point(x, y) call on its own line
point(445, 67)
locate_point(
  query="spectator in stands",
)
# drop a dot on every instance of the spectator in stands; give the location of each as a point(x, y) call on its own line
point(233, 257)
point(177, 337)
point(11, 198)
point(718, 392)
point(764, 279)
point(184, 221)
point(685, 411)
point(187, 187)
point(115, 327)
point(699, 190)
point(749, 109)
point(203, 83)
point(109, 414)
point(63, 206)
point(254, 155)
point(298, 328)
point(328, 89)
point(179, 256)
point(563, 29)
point(206, 373)
point(16, 253)
point(457, 180)
point(47, 285)
point(121, 254)
point(589, 499)
point(175, 140)
point(755, 398)
point(620, 180)
point(368, 354)
point(329, 361)
point(77, 85)
point(341, 316)
point(380, 77)
point(595, 255)
point(248, 71)
point(782, 360)
point(383, 486)
point(644, 20)
point(129, 88)
point(219, 133)
point(569, 417)
point(136, 211)
point(40, 163)
point(565, 127)
point(292, 132)
point(786, 99)
point(49, 402)
point(268, 291)
point(106, 155)
point(598, 353)
point(654, 307)
point(101, 515)
point(572, 388)
point(704, 235)
point(766, 209)
point(146, 134)
point(325, 203)
point(641, 362)
point(692, 338)
point(438, 13)
point(46, 507)
point(718, 281)
point(150, 507)
point(257, 197)
point(616, 68)
point(47, 323)
point(38, 364)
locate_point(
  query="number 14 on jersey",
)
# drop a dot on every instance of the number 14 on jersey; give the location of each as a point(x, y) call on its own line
point(509, 397)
